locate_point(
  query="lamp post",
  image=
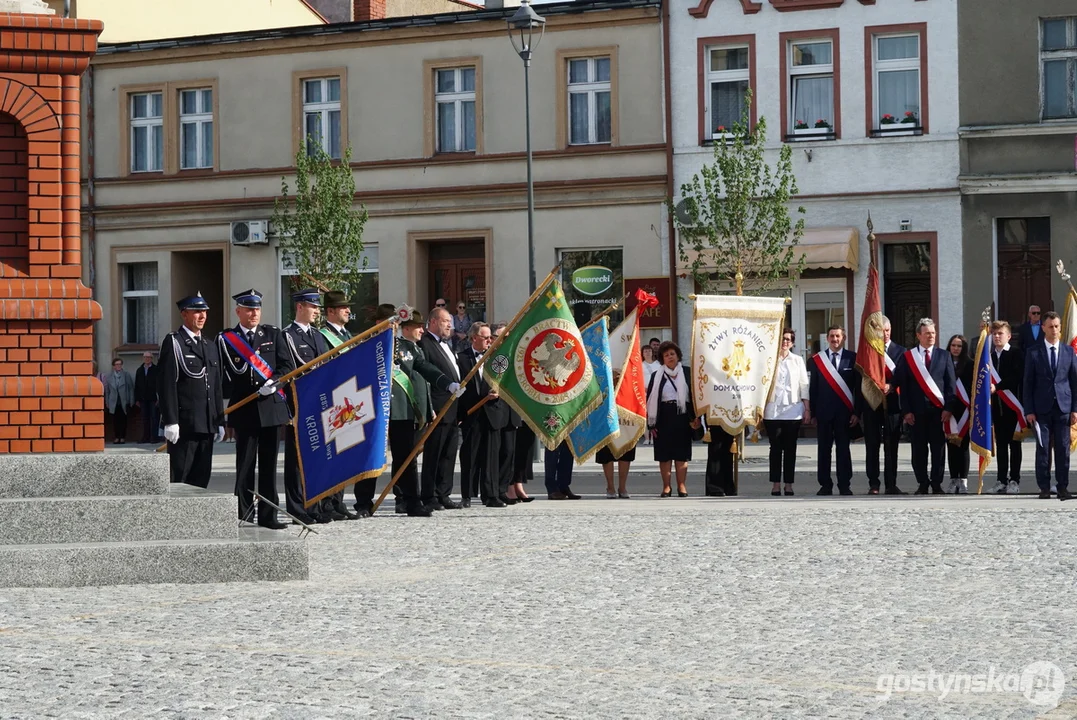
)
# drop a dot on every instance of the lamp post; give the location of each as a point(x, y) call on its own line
point(522, 26)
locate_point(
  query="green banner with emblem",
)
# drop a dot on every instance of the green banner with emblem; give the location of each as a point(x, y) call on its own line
point(541, 368)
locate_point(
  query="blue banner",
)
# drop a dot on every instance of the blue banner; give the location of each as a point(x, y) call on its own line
point(342, 417)
point(595, 431)
point(981, 430)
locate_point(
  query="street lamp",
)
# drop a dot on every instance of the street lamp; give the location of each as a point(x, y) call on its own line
point(522, 26)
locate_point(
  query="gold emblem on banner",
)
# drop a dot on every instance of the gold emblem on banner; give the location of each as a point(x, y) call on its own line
point(737, 364)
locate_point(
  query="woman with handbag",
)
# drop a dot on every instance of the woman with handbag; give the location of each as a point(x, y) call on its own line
point(671, 414)
point(119, 397)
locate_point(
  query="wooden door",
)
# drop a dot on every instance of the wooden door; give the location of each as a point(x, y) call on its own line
point(460, 280)
point(1024, 267)
point(907, 289)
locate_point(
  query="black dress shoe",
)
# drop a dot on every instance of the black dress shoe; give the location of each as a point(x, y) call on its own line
point(1064, 494)
point(894, 491)
point(681, 494)
point(506, 499)
point(788, 492)
point(937, 489)
point(449, 505)
point(302, 518)
point(401, 508)
point(348, 514)
point(421, 511)
point(571, 495)
point(557, 496)
point(465, 502)
point(845, 491)
point(666, 493)
point(320, 518)
point(363, 513)
point(493, 503)
point(825, 491)
point(525, 500)
point(1045, 495)
point(716, 493)
point(334, 515)
point(873, 491)
point(272, 525)
point(776, 493)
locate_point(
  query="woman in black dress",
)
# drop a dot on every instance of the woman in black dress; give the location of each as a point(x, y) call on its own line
point(671, 414)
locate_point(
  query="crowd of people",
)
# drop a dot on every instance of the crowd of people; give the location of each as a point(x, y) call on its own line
point(927, 388)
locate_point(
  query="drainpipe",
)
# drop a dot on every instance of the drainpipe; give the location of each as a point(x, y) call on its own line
point(670, 188)
point(91, 170)
point(67, 8)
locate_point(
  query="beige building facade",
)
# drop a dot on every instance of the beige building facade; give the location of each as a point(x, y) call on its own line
point(187, 144)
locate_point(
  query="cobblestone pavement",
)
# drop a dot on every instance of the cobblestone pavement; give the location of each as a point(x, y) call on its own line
point(647, 608)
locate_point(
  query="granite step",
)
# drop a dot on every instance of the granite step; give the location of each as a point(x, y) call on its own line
point(185, 512)
point(254, 555)
point(83, 475)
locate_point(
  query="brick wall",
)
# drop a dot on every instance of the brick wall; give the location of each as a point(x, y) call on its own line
point(49, 399)
point(368, 10)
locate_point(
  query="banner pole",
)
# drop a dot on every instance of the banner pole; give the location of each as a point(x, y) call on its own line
point(285, 379)
point(463, 382)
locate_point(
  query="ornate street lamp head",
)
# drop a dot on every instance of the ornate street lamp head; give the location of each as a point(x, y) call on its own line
point(522, 26)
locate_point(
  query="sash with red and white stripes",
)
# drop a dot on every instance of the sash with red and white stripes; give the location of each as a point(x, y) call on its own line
point(889, 371)
point(961, 427)
point(1009, 398)
point(923, 377)
point(257, 363)
point(840, 388)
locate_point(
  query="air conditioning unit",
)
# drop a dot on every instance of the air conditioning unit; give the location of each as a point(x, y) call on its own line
point(249, 232)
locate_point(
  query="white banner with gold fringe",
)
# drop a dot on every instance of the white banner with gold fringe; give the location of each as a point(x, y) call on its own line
point(735, 345)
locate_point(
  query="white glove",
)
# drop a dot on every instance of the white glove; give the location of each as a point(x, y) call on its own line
point(172, 433)
point(220, 434)
point(268, 389)
point(456, 389)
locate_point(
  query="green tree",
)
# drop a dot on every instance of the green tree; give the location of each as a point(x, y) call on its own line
point(733, 221)
point(319, 227)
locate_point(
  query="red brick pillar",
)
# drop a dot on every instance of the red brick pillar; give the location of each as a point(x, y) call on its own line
point(49, 399)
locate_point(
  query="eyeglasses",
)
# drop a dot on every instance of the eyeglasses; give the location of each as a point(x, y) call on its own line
point(461, 307)
point(439, 304)
point(1033, 312)
point(787, 339)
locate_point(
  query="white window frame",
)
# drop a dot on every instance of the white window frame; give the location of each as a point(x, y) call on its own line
point(286, 268)
point(456, 98)
point(724, 76)
point(820, 70)
point(1070, 56)
point(880, 66)
point(155, 162)
point(591, 88)
point(202, 119)
point(130, 294)
point(323, 110)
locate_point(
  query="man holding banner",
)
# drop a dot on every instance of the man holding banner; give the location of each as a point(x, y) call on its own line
point(338, 312)
point(927, 382)
point(1007, 374)
point(255, 356)
point(834, 393)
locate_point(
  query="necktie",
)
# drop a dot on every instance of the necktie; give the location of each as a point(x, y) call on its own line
point(250, 337)
point(927, 357)
point(1054, 360)
point(834, 359)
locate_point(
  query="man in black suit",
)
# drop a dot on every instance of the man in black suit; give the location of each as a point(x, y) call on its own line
point(482, 427)
point(882, 425)
point(146, 397)
point(1009, 364)
point(928, 399)
point(439, 452)
point(190, 393)
point(1030, 332)
point(304, 344)
point(1050, 400)
point(834, 395)
point(255, 356)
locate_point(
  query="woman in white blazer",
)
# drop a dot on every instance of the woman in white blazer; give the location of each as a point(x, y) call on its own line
point(786, 410)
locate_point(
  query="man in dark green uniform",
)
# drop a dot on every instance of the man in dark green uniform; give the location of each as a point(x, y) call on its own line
point(410, 408)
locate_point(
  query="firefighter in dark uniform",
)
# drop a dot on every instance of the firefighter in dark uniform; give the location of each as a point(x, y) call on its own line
point(410, 409)
point(304, 344)
point(338, 312)
point(249, 352)
point(189, 390)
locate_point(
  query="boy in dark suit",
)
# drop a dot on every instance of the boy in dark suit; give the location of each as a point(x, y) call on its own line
point(834, 394)
point(928, 384)
point(1050, 400)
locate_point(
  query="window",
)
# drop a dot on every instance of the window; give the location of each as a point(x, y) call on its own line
point(455, 100)
point(147, 132)
point(897, 79)
point(364, 301)
point(589, 94)
point(811, 86)
point(1059, 58)
point(196, 128)
point(139, 303)
point(321, 115)
point(728, 81)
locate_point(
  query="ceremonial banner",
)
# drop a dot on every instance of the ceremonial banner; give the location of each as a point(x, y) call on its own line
point(981, 430)
point(871, 349)
point(1069, 320)
point(735, 345)
point(629, 379)
point(541, 368)
point(595, 430)
point(342, 417)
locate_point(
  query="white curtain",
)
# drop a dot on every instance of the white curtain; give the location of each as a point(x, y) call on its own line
point(899, 93)
point(727, 103)
point(813, 99)
point(578, 118)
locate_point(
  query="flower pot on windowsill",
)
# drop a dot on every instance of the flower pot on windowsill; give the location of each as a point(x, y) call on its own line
point(726, 137)
point(813, 133)
point(897, 130)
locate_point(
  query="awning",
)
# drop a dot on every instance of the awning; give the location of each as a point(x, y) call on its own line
point(827, 247)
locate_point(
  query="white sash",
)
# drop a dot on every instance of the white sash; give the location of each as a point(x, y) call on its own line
point(923, 377)
point(837, 384)
point(889, 365)
point(958, 427)
point(1009, 398)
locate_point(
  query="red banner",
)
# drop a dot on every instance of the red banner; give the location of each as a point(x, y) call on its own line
point(871, 349)
point(660, 316)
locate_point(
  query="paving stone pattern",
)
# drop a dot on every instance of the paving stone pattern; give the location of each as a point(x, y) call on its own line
point(647, 608)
